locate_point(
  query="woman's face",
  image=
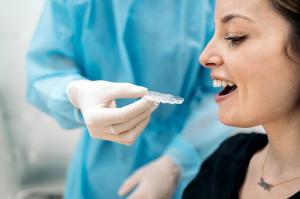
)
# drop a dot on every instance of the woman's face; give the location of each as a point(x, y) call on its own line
point(250, 50)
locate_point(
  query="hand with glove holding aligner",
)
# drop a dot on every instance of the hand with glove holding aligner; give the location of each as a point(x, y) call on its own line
point(96, 101)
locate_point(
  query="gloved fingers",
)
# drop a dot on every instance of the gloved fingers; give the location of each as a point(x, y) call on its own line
point(129, 184)
point(97, 131)
point(125, 90)
point(125, 126)
point(108, 133)
point(138, 193)
point(108, 116)
point(130, 136)
point(99, 117)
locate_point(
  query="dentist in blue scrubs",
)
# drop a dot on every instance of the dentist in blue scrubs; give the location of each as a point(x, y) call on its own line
point(90, 63)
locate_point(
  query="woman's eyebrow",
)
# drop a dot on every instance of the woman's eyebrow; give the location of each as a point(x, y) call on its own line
point(230, 17)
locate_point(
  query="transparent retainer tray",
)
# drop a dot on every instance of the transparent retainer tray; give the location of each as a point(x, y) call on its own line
point(163, 98)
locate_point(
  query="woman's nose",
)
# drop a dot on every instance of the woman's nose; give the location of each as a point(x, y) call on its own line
point(210, 57)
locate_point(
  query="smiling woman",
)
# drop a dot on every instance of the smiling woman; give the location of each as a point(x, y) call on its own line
point(254, 55)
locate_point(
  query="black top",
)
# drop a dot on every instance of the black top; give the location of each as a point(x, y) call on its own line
point(223, 173)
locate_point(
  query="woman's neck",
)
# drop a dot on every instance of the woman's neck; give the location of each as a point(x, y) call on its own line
point(284, 147)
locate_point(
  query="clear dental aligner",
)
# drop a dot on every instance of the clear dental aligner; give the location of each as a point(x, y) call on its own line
point(163, 98)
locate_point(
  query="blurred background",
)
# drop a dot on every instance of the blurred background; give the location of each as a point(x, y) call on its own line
point(34, 151)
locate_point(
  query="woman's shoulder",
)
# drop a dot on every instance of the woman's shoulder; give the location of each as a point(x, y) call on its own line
point(242, 145)
point(222, 173)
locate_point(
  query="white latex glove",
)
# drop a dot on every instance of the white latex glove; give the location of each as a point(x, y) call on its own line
point(156, 180)
point(96, 101)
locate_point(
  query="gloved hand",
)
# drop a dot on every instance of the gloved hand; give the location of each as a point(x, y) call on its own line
point(96, 101)
point(157, 180)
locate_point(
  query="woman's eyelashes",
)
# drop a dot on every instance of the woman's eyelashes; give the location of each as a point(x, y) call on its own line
point(236, 40)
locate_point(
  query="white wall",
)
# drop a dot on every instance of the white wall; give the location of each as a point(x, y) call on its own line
point(34, 151)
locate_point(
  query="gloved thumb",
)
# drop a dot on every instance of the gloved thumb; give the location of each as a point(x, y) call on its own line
point(129, 184)
point(125, 90)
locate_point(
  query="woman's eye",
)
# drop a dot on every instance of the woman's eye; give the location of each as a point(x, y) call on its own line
point(236, 40)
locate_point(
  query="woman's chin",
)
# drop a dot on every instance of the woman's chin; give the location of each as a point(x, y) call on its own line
point(235, 121)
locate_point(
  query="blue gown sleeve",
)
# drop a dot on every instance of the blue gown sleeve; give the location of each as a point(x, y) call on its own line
point(51, 65)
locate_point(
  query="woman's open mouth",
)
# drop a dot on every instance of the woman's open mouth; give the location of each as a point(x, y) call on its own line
point(228, 88)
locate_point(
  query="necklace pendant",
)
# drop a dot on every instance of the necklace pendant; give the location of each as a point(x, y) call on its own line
point(265, 185)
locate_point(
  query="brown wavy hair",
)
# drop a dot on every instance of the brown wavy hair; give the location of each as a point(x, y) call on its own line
point(290, 10)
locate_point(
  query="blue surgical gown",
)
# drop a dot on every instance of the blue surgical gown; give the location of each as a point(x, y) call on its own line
point(151, 43)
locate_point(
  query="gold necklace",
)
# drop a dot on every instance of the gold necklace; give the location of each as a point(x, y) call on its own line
point(268, 186)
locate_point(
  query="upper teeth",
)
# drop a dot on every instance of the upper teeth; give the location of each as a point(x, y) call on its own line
point(219, 83)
